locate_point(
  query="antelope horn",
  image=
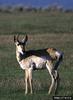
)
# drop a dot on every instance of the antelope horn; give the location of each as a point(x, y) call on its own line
point(26, 38)
point(14, 38)
point(17, 37)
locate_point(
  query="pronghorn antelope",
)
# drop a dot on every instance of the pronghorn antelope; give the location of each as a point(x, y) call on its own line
point(37, 59)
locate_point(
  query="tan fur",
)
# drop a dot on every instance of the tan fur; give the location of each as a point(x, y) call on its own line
point(52, 52)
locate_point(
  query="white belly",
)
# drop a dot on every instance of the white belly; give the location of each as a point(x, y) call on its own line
point(39, 62)
point(28, 62)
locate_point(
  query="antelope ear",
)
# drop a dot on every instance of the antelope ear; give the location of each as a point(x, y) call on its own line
point(25, 39)
point(14, 38)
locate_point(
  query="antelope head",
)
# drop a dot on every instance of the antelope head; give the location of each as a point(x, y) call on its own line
point(20, 45)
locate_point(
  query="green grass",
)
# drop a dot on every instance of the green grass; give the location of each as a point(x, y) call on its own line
point(12, 84)
point(43, 22)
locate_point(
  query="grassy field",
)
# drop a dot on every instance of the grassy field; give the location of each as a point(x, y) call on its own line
point(51, 30)
point(51, 22)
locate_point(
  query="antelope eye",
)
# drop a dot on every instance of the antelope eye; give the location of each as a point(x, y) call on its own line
point(18, 44)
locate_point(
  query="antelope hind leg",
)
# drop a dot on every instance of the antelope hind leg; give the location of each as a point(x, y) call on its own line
point(57, 83)
point(49, 66)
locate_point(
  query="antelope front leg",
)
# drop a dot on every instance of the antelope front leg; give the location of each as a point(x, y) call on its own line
point(30, 80)
point(26, 81)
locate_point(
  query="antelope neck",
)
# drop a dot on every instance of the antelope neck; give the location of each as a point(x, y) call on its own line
point(20, 56)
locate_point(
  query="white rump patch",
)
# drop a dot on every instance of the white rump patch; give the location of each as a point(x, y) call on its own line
point(58, 54)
